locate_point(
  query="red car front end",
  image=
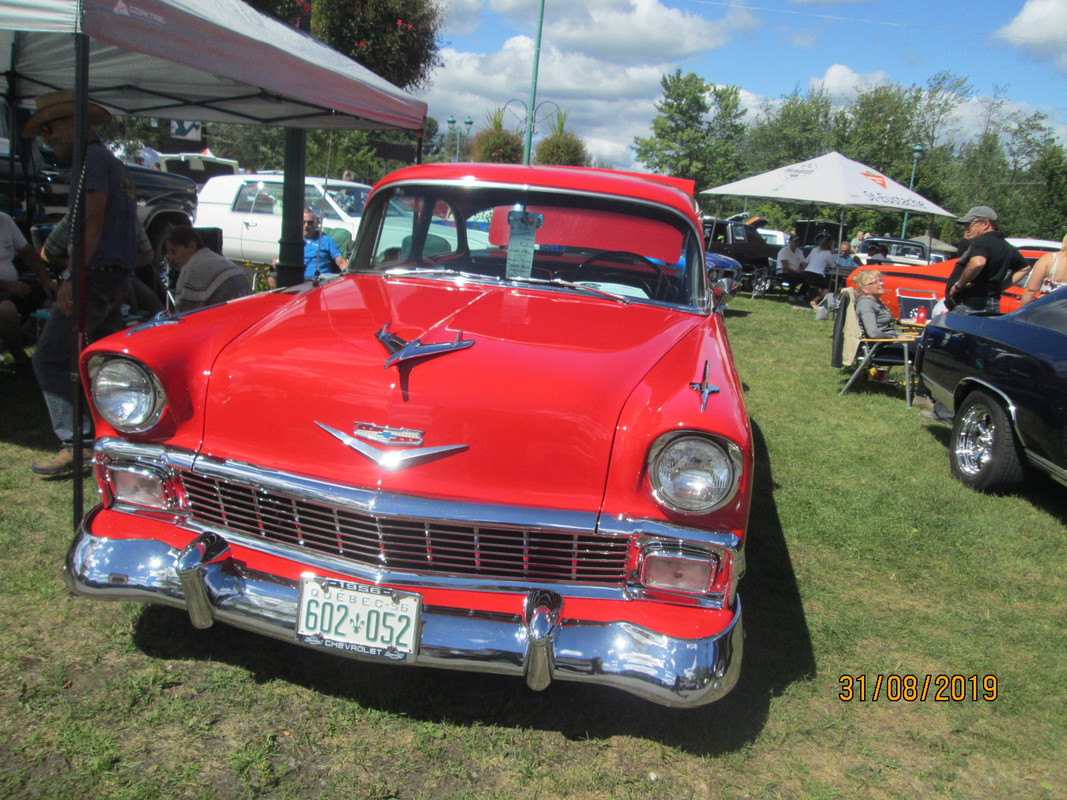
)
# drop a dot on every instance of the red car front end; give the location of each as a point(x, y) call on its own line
point(510, 440)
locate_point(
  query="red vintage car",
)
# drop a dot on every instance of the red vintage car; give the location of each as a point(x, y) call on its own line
point(509, 439)
point(933, 277)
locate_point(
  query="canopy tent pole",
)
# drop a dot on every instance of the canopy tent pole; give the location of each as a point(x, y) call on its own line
point(77, 261)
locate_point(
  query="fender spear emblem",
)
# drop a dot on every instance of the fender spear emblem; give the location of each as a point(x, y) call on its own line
point(704, 388)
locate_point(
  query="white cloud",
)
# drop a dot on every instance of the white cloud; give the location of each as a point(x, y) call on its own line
point(606, 105)
point(628, 31)
point(800, 39)
point(462, 17)
point(1039, 31)
point(843, 84)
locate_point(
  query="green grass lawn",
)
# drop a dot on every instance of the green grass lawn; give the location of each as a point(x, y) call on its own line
point(866, 559)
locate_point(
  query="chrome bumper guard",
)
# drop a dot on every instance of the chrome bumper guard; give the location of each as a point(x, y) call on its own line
point(542, 644)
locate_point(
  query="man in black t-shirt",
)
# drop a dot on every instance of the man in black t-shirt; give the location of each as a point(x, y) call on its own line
point(979, 276)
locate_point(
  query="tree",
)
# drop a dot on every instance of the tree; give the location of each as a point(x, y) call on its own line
point(396, 39)
point(792, 129)
point(679, 143)
point(1048, 197)
point(561, 147)
point(726, 130)
point(881, 130)
point(496, 144)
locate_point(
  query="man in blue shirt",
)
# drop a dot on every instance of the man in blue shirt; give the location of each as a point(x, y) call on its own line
point(321, 253)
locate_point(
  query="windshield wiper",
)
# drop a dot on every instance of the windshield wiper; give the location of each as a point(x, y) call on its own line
point(581, 287)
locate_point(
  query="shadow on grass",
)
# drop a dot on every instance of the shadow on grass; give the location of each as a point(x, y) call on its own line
point(24, 419)
point(777, 653)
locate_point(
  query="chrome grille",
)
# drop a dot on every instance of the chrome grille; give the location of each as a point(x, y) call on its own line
point(408, 545)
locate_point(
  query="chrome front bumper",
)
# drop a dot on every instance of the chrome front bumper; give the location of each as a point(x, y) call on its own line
point(542, 644)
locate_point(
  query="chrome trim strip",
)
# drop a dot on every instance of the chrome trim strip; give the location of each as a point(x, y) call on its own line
point(1054, 471)
point(546, 645)
point(1008, 402)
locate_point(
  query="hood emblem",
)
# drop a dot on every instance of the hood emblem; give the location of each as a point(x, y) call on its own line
point(704, 388)
point(401, 351)
point(392, 437)
point(391, 460)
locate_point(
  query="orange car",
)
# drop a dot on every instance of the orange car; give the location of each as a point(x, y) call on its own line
point(933, 277)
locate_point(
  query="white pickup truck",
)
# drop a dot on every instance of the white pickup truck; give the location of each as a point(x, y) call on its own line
point(248, 209)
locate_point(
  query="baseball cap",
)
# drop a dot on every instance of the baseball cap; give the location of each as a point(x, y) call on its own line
point(978, 212)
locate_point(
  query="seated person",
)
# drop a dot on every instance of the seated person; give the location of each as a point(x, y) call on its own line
point(204, 277)
point(791, 266)
point(141, 299)
point(321, 253)
point(878, 254)
point(18, 298)
point(820, 262)
point(876, 322)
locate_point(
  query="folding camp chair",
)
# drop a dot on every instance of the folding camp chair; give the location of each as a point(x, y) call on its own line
point(909, 301)
point(849, 346)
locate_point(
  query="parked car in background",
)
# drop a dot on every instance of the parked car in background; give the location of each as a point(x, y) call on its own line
point(740, 241)
point(811, 231)
point(720, 266)
point(934, 277)
point(900, 251)
point(774, 238)
point(1044, 245)
point(199, 167)
point(1005, 379)
point(521, 453)
point(248, 209)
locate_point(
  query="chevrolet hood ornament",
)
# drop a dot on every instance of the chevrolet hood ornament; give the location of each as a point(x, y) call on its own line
point(391, 460)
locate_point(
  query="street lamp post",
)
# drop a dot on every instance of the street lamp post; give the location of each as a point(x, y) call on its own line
point(916, 153)
point(529, 121)
point(533, 89)
point(452, 129)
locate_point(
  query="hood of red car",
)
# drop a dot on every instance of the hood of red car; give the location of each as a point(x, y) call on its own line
point(448, 389)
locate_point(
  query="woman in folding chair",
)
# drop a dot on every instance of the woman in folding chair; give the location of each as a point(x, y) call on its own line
point(876, 322)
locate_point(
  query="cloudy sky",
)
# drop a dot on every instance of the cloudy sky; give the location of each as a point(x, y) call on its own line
point(602, 60)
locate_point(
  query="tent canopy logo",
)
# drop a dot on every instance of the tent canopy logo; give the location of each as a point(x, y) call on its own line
point(874, 176)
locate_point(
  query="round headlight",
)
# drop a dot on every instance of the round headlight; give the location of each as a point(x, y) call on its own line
point(693, 474)
point(126, 394)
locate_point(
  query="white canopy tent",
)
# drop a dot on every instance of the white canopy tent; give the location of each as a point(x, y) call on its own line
point(204, 60)
point(832, 180)
point(207, 60)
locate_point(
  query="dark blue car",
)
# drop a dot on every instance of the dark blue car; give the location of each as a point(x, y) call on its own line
point(1005, 379)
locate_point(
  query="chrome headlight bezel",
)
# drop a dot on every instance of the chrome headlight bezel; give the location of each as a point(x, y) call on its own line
point(722, 473)
point(117, 381)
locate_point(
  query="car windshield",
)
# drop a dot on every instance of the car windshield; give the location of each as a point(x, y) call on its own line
point(610, 245)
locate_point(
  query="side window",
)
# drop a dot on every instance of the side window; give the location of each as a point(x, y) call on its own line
point(442, 237)
point(739, 233)
point(314, 199)
point(267, 198)
point(395, 225)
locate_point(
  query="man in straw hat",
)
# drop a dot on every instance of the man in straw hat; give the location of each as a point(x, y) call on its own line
point(110, 255)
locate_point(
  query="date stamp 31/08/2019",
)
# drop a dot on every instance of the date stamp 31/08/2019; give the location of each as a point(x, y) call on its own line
point(911, 688)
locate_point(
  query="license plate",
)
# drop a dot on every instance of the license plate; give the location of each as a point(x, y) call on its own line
point(371, 621)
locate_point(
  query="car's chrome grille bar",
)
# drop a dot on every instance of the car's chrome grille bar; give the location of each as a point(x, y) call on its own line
point(404, 544)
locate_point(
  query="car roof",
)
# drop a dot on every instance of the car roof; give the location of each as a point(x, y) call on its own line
point(675, 193)
point(1047, 245)
point(221, 187)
